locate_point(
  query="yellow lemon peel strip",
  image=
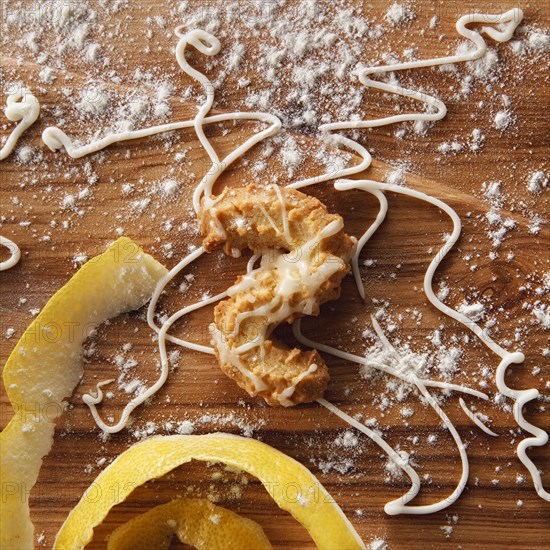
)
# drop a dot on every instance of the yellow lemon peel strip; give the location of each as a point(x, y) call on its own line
point(293, 487)
point(45, 367)
point(196, 522)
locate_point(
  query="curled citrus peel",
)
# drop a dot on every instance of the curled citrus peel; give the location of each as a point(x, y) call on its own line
point(45, 367)
point(293, 487)
point(196, 522)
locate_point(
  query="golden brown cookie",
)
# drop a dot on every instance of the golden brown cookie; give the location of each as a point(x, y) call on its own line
point(304, 256)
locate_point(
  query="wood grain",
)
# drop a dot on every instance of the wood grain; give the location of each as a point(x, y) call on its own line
point(487, 514)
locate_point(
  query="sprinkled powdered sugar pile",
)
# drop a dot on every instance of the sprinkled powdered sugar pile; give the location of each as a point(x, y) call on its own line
point(299, 68)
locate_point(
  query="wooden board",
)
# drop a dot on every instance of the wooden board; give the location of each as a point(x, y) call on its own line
point(487, 515)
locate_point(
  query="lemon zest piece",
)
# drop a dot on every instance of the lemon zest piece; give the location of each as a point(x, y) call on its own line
point(45, 367)
point(196, 522)
point(293, 487)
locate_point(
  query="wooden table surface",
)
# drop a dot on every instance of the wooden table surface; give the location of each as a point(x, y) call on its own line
point(487, 515)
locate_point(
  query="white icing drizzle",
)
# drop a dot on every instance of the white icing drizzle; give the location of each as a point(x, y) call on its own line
point(508, 22)
point(401, 459)
point(15, 253)
point(475, 419)
point(284, 215)
point(284, 396)
point(400, 506)
point(363, 165)
point(55, 138)
point(22, 107)
point(269, 219)
point(163, 336)
point(405, 376)
point(160, 289)
point(209, 45)
point(521, 397)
